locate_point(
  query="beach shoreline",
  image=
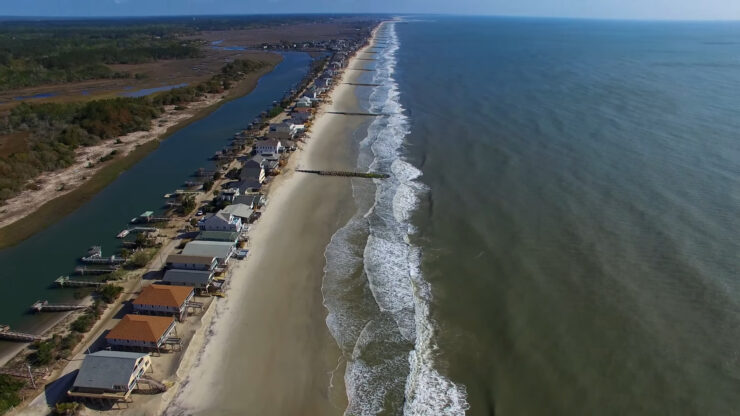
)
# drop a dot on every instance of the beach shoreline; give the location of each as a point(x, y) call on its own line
point(286, 348)
point(61, 192)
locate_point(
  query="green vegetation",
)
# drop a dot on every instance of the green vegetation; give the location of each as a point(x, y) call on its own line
point(109, 293)
point(37, 53)
point(141, 258)
point(67, 408)
point(86, 321)
point(9, 388)
point(274, 111)
point(44, 351)
point(57, 129)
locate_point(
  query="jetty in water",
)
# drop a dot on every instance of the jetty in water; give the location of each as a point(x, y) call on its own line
point(348, 113)
point(8, 335)
point(369, 175)
point(45, 306)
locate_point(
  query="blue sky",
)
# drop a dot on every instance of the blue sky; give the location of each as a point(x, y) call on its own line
point(620, 9)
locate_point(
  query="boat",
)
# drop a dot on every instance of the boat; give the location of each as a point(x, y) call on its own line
point(122, 234)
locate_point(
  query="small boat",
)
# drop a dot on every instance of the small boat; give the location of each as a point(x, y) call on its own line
point(122, 234)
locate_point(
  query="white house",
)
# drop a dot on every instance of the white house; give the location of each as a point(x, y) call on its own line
point(221, 221)
point(270, 146)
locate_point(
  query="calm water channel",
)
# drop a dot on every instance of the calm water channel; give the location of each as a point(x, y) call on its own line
point(29, 269)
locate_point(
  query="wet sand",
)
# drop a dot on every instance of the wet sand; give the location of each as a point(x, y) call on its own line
point(269, 349)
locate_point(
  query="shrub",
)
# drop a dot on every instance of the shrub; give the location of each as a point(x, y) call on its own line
point(109, 293)
point(9, 388)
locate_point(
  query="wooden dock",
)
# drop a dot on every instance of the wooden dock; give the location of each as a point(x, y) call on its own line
point(83, 270)
point(369, 175)
point(45, 306)
point(8, 335)
point(65, 281)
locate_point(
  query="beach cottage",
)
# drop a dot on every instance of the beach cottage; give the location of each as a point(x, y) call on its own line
point(142, 331)
point(179, 261)
point(109, 375)
point(269, 146)
point(169, 300)
point(252, 170)
point(221, 221)
point(221, 250)
point(197, 279)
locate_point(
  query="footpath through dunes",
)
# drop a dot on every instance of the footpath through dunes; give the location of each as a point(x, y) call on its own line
point(270, 350)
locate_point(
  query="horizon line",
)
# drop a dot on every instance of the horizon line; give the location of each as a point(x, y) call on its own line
point(513, 16)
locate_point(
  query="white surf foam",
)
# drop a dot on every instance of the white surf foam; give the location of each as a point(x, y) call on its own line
point(394, 337)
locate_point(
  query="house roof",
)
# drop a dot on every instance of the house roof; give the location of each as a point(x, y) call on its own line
point(218, 235)
point(141, 328)
point(188, 276)
point(164, 295)
point(269, 142)
point(239, 210)
point(218, 249)
point(190, 259)
point(107, 369)
point(248, 199)
point(248, 184)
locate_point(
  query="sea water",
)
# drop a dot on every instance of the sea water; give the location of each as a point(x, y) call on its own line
point(559, 234)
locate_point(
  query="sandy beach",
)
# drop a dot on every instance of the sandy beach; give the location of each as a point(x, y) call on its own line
point(268, 349)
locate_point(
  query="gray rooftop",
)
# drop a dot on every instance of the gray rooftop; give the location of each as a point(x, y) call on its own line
point(218, 249)
point(218, 236)
point(107, 369)
point(239, 210)
point(188, 276)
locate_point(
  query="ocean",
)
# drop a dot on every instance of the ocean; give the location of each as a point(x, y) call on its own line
point(559, 234)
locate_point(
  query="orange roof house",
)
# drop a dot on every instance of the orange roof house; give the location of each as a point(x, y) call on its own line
point(141, 331)
point(164, 295)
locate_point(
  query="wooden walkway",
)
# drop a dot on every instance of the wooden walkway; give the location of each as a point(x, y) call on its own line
point(369, 175)
point(45, 306)
point(7, 334)
point(63, 281)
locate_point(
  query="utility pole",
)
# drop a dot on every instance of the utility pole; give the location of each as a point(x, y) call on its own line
point(30, 375)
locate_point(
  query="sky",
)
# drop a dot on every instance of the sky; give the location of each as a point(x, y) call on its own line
point(613, 9)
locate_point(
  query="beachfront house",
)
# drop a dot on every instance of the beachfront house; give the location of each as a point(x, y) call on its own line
point(252, 170)
point(284, 130)
point(253, 201)
point(300, 117)
point(240, 211)
point(183, 262)
point(229, 194)
point(220, 221)
point(221, 250)
point(109, 375)
point(270, 163)
point(303, 102)
point(142, 331)
point(197, 279)
point(171, 300)
point(248, 186)
point(228, 236)
point(269, 146)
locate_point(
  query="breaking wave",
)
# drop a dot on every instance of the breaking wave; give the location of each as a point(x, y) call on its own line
point(377, 299)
